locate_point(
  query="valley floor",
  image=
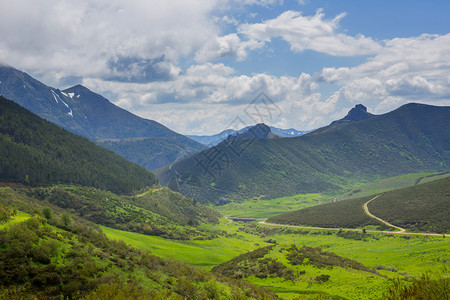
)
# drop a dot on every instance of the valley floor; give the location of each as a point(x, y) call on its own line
point(393, 256)
point(396, 254)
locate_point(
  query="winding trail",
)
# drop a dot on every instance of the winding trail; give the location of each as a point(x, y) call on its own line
point(366, 210)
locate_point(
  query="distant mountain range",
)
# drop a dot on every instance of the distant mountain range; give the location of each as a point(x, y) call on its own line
point(212, 140)
point(412, 138)
point(88, 114)
point(358, 113)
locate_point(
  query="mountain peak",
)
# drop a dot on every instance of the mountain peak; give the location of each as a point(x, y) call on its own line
point(357, 113)
point(360, 107)
point(258, 131)
point(79, 89)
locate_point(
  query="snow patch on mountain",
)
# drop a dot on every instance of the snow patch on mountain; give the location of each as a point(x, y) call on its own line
point(54, 96)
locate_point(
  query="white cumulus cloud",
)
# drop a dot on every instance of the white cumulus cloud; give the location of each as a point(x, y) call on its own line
point(311, 33)
point(404, 70)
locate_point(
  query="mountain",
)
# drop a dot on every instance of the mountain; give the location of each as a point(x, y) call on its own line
point(88, 114)
point(357, 113)
point(259, 131)
point(422, 207)
point(291, 132)
point(212, 140)
point(413, 138)
point(152, 152)
point(37, 152)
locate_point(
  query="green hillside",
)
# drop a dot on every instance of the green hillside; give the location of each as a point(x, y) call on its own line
point(152, 152)
point(160, 212)
point(47, 253)
point(423, 207)
point(414, 138)
point(36, 152)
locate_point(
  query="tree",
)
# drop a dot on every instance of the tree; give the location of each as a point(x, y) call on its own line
point(65, 219)
point(47, 212)
point(27, 180)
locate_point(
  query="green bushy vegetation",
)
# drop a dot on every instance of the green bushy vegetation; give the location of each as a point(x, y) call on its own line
point(41, 260)
point(430, 285)
point(288, 267)
point(321, 259)
point(6, 213)
point(254, 263)
point(36, 152)
point(48, 255)
point(161, 212)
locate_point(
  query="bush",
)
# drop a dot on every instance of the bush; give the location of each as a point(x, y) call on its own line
point(47, 212)
point(322, 278)
point(430, 286)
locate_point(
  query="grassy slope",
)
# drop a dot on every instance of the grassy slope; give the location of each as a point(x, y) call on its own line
point(391, 183)
point(160, 212)
point(413, 138)
point(266, 208)
point(392, 256)
point(35, 151)
point(423, 207)
point(46, 258)
point(292, 269)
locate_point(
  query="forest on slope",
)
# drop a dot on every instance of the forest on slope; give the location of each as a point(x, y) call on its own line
point(36, 152)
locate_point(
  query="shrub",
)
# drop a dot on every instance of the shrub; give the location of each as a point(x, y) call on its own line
point(322, 278)
point(47, 212)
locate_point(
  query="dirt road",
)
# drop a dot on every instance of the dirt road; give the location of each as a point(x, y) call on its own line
point(366, 210)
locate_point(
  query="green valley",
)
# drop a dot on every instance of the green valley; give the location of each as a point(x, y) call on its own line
point(260, 207)
point(390, 256)
point(48, 255)
point(79, 222)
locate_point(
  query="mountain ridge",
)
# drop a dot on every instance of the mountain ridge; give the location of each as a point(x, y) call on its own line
point(91, 115)
point(412, 138)
point(213, 140)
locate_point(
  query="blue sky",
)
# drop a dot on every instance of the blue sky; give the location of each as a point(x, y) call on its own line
point(196, 66)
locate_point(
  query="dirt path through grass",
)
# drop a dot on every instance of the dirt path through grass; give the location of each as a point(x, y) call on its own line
point(366, 210)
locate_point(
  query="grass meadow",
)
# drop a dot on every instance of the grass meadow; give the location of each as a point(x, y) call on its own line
point(393, 256)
